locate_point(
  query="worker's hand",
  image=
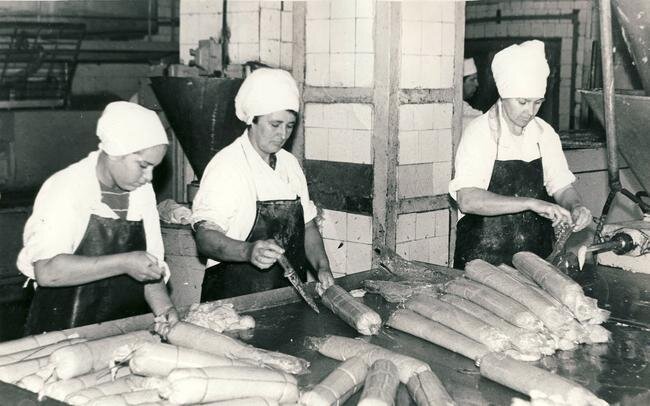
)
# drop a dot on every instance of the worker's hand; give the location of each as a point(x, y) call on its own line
point(325, 278)
point(264, 253)
point(165, 321)
point(554, 212)
point(142, 266)
point(581, 217)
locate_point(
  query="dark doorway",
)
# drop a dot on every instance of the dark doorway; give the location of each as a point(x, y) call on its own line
point(483, 50)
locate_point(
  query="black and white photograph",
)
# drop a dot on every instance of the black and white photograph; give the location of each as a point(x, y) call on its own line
point(325, 202)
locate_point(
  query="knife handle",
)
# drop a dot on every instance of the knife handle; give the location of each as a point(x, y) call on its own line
point(284, 263)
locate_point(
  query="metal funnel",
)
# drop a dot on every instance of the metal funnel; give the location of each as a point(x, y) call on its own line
point(201, 112)
point(632, 124)
point(634, 18)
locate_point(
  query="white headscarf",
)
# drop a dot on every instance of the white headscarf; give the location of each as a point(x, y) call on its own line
point(125, 128)
point(521, 70)
point(469, 67)
point(266, 91)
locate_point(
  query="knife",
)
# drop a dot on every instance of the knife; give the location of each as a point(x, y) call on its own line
point(290, 273)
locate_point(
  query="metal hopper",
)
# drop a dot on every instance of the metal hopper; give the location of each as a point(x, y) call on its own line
point(632, 129)
point(201, 111)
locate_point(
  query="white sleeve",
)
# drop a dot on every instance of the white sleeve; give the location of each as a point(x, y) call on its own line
point(474, 158)
point(51, 229)
point(557, 174)
point(219, 196)
point(151, 221)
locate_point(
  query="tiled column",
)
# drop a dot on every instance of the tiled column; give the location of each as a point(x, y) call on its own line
point(378, 125)
point(429, 85)
point(338, 124)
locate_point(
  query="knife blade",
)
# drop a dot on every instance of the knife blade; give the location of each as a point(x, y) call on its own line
point(290, 273)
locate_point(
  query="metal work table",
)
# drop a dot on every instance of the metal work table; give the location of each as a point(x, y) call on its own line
point(616, 372)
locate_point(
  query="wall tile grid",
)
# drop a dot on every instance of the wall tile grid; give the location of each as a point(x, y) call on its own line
point(348, 241)
point(425, 149)
point(427, 44)
point(342, 133)
point(259, 30)
point(339, 43)
point(424, 236)
point(560, 28)
point(339, 132)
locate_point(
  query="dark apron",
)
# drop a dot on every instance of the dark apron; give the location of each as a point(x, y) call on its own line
point(279, 219)
point(107, 299)
point(496, 239)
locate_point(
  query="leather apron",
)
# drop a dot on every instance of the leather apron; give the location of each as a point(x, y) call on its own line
point(57, 308)
point(496, 239)
point(280, 219)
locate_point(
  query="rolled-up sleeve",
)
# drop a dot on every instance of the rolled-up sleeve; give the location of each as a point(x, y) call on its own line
point(52, 228)
point(151, 220)
point(474, 159)
point(557, 174)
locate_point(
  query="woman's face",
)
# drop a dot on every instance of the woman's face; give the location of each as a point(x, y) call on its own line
point(271, 131)
point(129, 172)
point(521, 110)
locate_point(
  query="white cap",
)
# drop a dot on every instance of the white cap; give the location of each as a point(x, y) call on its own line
point(469, 67)
point(266, 91)
point(521, 70)
point(125, 128)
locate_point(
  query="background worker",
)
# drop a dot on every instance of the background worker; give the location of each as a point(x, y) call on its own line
point(512, 182)
point(93, 242)
point(253, 204)
point(470, 86)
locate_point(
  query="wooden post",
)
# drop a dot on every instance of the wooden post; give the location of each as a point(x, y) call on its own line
point(299, 12)
point(385, 145)
point(457, 118)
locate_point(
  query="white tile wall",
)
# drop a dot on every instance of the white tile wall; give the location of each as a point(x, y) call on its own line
point(339, 132)
point(317, 69)
point(347, 239)
point(270, 23)
point(359, 257)
point(406, 227)
point(342, 70)
point(424, 236)
point(359, 228)
point(441, 177)
point(334, 225)
point(425, 133)
point(365, 8)
point(427, 45)
point(342, 30)
point(259, 31)
point(337, 255)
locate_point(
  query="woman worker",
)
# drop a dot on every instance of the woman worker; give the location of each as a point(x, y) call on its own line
point(470, 86)
point(253, 204)
point(93, 242)
point(508, 165)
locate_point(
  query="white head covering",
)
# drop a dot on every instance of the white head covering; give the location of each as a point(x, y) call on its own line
point(266, 91)
point(521, 70)
point(125, 128)
point(469, 67)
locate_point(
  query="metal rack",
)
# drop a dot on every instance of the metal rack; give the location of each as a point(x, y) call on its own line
point(37, 63)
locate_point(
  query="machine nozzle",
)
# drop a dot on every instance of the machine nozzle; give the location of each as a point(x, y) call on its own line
point(620, 243)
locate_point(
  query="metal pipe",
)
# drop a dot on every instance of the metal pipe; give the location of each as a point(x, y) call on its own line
point(225, 38)
point(606, 52)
